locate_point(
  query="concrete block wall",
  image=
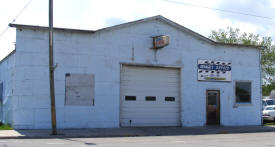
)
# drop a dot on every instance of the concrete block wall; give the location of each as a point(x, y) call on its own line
point(102, 53)
point(7, 74)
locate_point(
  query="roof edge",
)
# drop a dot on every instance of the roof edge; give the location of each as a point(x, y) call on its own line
point(11, 53)
point(129, 23)
point(157, 17)
point(205, 38)
point(239, 45)
point(21, 26)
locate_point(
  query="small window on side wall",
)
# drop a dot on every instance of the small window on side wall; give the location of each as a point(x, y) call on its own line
point(243, 92)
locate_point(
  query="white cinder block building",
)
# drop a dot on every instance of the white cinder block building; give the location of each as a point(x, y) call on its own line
point(117, 77)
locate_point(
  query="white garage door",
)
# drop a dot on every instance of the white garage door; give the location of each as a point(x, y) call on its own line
point(149, 96)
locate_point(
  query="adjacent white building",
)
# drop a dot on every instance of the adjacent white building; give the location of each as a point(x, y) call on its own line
point(117, 77)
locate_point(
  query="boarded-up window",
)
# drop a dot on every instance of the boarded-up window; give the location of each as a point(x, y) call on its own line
point(79, 89)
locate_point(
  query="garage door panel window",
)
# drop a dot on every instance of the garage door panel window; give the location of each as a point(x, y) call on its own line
point(243, 92)
point(130, 98)
point(150, 98)
point(168, 98)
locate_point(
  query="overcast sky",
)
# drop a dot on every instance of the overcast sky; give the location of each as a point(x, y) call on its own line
point(96, 14)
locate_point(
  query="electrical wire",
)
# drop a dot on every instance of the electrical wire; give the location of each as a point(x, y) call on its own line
point(216, 9)
point(17, 16)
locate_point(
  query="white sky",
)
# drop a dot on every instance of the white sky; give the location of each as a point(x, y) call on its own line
point(96, 14)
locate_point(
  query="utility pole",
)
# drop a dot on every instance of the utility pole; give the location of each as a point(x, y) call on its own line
point(51, 68)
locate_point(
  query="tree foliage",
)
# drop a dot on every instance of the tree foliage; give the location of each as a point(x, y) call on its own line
point(234, 36)
point(268, 88)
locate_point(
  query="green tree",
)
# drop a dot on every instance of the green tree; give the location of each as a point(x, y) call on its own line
point(234, 36)
point(268, 88)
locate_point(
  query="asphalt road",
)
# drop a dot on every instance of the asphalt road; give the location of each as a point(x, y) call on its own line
point(216, 140)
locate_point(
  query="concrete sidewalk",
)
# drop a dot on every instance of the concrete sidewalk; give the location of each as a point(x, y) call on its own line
point(130, 132)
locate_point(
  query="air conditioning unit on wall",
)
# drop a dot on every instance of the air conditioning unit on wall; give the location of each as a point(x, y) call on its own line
point(160, 41)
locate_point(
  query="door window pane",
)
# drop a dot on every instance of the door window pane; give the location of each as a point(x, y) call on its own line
point(212, 99)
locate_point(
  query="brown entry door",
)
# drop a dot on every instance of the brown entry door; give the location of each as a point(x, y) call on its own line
point(213, 107)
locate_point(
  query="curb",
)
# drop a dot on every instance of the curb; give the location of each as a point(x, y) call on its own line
point(72, 136)
point(140, 133)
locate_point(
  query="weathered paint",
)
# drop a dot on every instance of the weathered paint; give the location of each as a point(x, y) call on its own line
point(101, 53)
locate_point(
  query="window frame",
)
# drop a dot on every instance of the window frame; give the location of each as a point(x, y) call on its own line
point(235, 93)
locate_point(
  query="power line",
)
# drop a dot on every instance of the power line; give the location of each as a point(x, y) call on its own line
point(216, 9)
point(27, 4)
point(6, 29)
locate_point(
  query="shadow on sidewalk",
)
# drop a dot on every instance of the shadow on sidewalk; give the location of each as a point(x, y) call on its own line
point(143, 131)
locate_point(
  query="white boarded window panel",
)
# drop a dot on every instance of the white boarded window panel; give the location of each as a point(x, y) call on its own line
point(79, 89)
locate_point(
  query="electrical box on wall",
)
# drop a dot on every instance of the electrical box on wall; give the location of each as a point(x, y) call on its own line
point(160, 41)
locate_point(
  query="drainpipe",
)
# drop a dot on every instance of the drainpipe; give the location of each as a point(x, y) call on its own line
point(260, 68)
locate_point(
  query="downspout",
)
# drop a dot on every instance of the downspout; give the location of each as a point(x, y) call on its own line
point(260, 68)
